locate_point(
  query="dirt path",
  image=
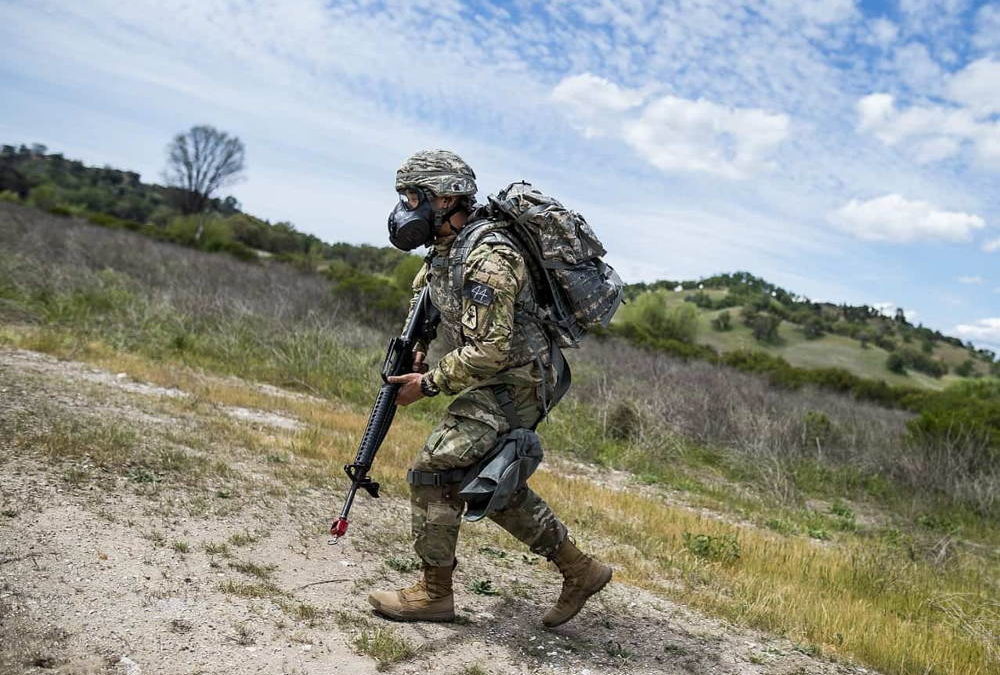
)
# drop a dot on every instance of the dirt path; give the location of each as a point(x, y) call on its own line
point(184, 552)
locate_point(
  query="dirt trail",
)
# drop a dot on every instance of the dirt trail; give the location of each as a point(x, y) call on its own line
point(105, 571)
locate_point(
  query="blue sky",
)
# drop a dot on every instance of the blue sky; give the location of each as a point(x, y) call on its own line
point(849, 151)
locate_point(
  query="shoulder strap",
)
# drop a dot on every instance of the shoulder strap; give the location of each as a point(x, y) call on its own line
point(471, 236)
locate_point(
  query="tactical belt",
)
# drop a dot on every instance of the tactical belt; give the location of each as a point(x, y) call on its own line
point(435, 478)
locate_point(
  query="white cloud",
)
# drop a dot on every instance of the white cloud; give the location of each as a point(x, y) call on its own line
point(991, 246)
point(917, 68)
point(987, 34)
point(673, 133)
point(823, 11)
point(977, 87)
point(970, 280)
point(883, 31)
point(984, 330)
point(929, 133)
point(894, 218)
point(676, 134)
point(595, 103)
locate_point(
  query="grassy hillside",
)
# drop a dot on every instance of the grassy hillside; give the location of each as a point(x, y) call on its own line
point(746, 315)
point(808, 514)
point(827, 351)
point(857, 339)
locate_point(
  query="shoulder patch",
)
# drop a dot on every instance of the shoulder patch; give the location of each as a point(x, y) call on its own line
point(481, 294)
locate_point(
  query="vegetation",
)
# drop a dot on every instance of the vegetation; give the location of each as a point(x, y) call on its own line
point(910, 589)
point(200, 162)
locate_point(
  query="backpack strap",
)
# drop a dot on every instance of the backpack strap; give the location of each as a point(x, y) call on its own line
point(469, 237)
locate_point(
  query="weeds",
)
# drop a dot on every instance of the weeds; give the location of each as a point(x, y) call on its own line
point(402, 564)
point(253, 569)
point(264, 589)
point(723, 549)
point(384, 645)
point(218, 548)
point(482, 587)
point(244, 538)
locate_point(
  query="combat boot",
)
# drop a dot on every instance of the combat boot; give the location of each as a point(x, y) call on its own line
point(582, 577)
point(430, 599)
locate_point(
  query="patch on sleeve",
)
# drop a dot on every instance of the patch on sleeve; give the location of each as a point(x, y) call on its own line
point(470, 318)
point(481, 294)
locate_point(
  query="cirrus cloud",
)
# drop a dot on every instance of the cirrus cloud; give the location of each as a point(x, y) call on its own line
point(893, 218)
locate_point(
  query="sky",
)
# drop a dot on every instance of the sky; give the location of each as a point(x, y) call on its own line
point(848, 151)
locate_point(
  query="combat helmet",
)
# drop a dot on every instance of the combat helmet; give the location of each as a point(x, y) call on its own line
point(440, 172)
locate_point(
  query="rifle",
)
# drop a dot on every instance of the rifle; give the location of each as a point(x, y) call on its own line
point(421, 326)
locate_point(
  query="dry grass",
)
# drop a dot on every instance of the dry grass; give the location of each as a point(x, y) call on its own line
point(863, 598)
point(891, 604)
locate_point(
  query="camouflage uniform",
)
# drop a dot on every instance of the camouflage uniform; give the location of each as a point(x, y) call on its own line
point(489, 344)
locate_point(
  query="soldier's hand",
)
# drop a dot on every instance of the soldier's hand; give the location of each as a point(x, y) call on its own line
point(418, 362)
point(410, 391)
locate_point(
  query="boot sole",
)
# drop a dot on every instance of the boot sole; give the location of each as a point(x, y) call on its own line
point(588, 596)
point(442, 617)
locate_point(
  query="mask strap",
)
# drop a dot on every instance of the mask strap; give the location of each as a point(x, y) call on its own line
point(440, 218)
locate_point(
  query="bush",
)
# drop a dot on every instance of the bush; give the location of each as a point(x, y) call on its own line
point(813, 328)
point(966, 368)
point(723, 321)
point(765, 328)
point(45, 196)
point(895, 363)
point(649, 313)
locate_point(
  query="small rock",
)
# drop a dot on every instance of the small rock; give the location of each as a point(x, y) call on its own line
point(130, 667)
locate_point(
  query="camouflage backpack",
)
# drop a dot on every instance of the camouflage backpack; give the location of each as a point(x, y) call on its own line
point(578, 291)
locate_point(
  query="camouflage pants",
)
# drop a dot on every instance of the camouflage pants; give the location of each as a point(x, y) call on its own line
point(467, 432)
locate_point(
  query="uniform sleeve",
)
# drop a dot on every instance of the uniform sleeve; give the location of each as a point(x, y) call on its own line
point(419, 281)
point(493, 276)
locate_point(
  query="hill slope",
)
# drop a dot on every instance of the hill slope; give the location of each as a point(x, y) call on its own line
point(796, 512)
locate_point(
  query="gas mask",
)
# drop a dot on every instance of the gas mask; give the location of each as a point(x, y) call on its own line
point(412, 226)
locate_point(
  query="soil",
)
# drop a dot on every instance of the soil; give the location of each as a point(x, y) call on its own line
point(103, 575)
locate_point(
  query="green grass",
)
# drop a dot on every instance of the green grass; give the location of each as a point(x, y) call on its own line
point(384, 645)
point(829, 351)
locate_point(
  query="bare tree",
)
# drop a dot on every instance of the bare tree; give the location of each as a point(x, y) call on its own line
point(199, 162)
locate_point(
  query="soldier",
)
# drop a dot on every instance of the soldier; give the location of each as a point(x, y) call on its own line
point(500, 366)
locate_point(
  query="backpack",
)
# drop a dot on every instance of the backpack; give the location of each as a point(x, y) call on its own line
point(578, 291)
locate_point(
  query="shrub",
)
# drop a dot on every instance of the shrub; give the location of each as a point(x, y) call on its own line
point(722, 548)
point(722, 322)
point(966, 368)
point(649, 313)
point(765, 328)
point(895, 363)
point(813, 328)
point(816, 428)
point(624, 421)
